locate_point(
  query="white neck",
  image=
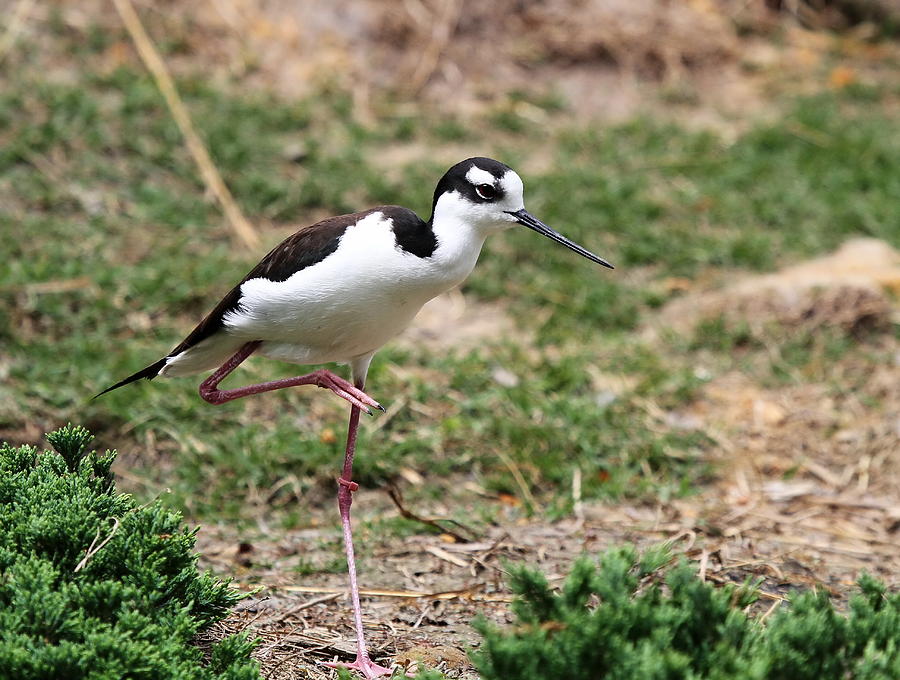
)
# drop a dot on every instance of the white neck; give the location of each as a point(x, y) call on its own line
point(461, 227)
point(459, 243)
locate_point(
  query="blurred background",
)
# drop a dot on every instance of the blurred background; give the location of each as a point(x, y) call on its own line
point(736, 379)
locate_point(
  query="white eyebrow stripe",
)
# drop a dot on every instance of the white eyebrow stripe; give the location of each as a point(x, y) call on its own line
point(511, 184)
point(478, 176)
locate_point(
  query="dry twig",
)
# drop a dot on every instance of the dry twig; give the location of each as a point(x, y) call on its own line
point(464, 594)
point(14, 27)
point(520, 480)
point(443, 29)
point(92, 550)
point(397, 498)
point(243, 230)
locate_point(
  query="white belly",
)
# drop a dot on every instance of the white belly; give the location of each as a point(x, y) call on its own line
point(302, 333)
point(346, 332)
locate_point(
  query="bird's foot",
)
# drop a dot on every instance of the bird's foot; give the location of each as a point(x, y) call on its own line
point(346, 390)
point(363, 665)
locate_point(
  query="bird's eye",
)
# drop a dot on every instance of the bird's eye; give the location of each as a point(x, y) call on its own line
point(486, 191)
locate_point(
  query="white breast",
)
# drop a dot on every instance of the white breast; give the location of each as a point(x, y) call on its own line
point(355, 300)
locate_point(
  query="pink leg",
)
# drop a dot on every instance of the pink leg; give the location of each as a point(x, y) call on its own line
point(209, 388)
point(359, 401)
point(346, 487)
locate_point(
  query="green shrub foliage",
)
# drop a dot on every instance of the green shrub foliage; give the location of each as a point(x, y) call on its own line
point(622, 621)
point(92, 585)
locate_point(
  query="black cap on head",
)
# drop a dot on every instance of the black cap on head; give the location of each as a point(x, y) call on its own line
point(455, 179)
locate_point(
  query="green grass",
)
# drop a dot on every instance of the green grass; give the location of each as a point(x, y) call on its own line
point(98, 194)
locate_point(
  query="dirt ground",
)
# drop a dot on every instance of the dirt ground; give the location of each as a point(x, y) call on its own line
point(835, 518)
point(709, 63)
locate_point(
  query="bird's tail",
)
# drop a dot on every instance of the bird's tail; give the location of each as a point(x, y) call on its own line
point(149, 373)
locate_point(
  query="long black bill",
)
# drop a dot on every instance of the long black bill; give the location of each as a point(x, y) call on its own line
point(532, 222)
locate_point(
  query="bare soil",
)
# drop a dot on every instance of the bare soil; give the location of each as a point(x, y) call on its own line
point(838, 516)
point(706, 62)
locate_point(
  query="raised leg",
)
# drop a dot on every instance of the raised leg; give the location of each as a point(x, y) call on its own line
point(209, 388)
point(346, 487)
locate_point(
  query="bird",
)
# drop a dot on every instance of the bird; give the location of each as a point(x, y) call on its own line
point(340, 289)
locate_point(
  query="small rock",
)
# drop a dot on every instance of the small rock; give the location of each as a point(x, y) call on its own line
point(504, 377)
point(767, 413)
point(295, 152)
point(605, 398)
point(683, 421)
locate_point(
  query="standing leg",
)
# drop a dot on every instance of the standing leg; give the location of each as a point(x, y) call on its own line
point(359, 401)
point(346, 487)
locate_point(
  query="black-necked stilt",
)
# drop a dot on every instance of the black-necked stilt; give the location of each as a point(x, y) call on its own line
point(339, 290)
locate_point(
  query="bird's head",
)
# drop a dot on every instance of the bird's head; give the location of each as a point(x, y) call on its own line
point(489, 196)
